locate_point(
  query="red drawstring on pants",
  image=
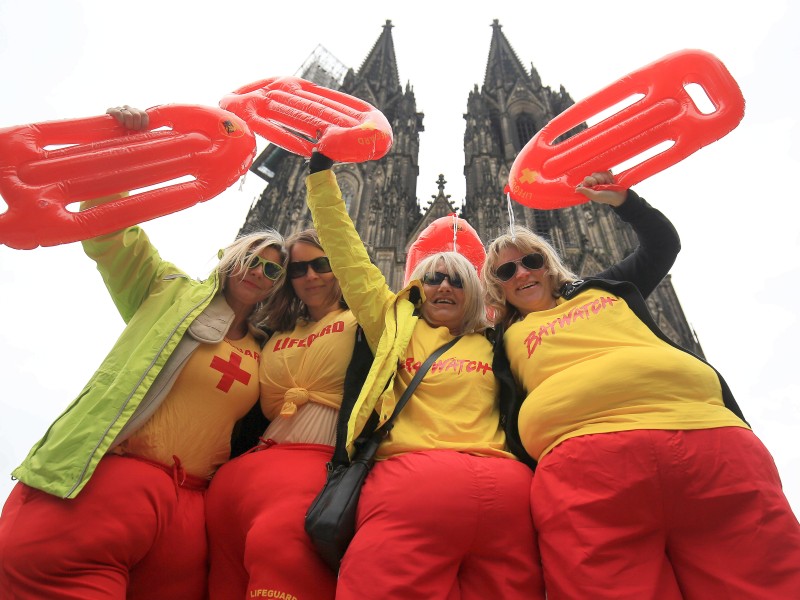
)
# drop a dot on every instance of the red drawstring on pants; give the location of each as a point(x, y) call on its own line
point(180, 477)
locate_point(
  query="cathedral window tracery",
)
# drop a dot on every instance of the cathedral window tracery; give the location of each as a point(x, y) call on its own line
point(526, 129)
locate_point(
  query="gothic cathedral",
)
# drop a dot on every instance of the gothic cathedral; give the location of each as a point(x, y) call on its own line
point(381, 196)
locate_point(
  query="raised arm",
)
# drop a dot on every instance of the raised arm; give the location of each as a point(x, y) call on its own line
point(129, 264)
point(659, 243)
point(363, 285)
point(126, 259)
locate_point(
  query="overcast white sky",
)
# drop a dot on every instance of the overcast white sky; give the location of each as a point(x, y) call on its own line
point(735, 202)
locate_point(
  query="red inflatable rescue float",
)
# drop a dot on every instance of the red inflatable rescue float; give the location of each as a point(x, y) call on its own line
point(546, 171)
point(299, 115)
point(446, 234)
point(97, 158)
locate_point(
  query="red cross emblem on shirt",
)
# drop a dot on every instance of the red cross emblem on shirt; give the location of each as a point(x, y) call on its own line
point(231, 371)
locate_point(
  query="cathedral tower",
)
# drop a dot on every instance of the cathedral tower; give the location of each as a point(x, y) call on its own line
point(509, 108)
point(381, 196)
point(502, 115)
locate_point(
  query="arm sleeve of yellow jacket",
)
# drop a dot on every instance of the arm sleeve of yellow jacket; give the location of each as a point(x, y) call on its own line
point(128, 263)
point(363, 285)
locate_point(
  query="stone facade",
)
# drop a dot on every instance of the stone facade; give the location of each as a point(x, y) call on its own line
point(502, 115)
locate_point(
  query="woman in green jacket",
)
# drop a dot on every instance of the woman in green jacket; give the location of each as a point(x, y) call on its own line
point(110, 502)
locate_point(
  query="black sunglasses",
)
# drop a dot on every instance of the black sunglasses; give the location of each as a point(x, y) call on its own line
point(272, 270)
point(299, 268)
point(438, 277)
point(531, 262)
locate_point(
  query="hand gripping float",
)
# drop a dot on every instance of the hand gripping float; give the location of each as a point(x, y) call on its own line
point(101, 159)
point(298, 115)
point(545, 173)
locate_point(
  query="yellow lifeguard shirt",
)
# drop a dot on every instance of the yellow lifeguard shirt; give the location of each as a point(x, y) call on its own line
point(455, 406)
point(216, 388)
point(307, 365)
point(589, 365)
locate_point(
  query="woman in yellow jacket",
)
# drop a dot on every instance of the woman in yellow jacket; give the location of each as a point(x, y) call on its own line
point(444, 512)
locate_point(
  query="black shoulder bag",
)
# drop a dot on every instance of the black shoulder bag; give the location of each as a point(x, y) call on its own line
point(331, 518)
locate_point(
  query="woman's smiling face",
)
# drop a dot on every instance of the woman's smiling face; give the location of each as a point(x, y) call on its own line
point(528, 290)
point(247, 287)
point(444, 303)
point(320, 292)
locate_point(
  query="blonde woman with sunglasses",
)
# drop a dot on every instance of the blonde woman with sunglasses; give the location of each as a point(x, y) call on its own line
point(444, 512)
point(110, 502)
point(257, 502)
point(649, 483)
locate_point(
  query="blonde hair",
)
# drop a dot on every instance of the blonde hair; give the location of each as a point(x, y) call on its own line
point(455, 264)
point(526, 242)
point(235, 258)
point(284, 307)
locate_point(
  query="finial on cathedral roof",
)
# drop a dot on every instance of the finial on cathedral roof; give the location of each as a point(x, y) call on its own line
point(440, 182)
point(496, 24)
point(388, 24)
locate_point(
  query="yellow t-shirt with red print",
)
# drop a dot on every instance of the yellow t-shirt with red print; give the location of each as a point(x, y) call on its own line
point(589, 365)
point(307, 364)
point(216, 388)
point(455, 406)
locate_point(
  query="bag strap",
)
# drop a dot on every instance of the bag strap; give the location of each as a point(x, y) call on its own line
point(367, 451)
point(384, 429)
point(354, 379)
point(369, 447)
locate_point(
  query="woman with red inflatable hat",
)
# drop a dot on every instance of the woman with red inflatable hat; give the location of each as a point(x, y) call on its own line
point(110, 502)
point(444, 512)
point(649, 482)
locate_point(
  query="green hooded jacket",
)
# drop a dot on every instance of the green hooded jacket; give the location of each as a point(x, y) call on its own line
point(158, 302)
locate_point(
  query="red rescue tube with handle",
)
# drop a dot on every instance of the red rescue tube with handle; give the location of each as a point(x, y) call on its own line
point(97, 158)
point(299, 115)
point(545, 173)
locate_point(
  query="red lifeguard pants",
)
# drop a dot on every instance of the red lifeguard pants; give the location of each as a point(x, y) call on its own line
point(135, 531)
point(665, 514)
point(256, 511)
point(443, 525)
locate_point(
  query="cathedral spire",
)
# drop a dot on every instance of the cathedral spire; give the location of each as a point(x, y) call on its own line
point(381, 195)
point(503, 67)
point(379, 69)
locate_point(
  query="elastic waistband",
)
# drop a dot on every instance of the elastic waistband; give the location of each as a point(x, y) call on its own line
point(176, 471)
point(272, 444)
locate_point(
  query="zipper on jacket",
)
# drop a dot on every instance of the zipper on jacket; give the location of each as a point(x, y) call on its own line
point(139, 383)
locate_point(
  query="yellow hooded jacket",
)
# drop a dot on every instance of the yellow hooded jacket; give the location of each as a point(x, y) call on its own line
point(388, 319)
